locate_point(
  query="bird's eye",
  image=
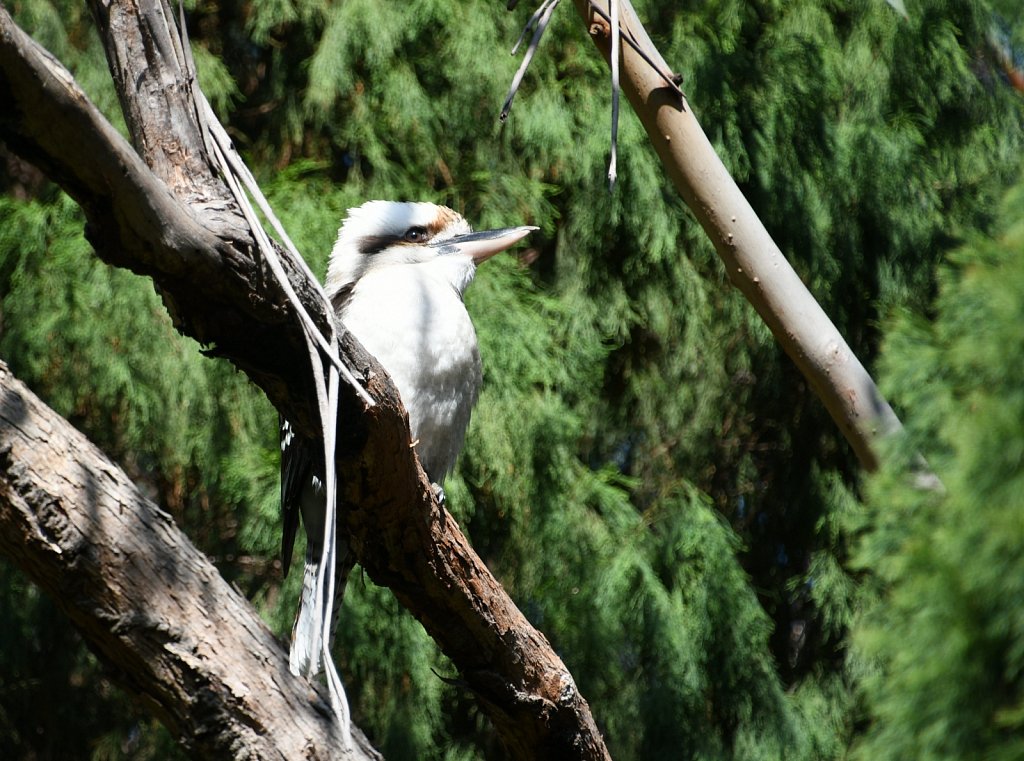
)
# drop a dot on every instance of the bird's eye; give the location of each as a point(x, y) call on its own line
point(416, 235)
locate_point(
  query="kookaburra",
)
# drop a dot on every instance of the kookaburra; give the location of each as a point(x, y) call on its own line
point(395, 278)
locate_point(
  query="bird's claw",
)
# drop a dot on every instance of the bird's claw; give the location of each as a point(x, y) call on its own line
point(439, 493)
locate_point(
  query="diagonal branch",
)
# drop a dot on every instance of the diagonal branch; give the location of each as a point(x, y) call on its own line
point(754, 263)
point(185, 233)
point(151, 604)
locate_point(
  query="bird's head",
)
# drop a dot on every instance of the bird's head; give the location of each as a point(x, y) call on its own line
point(389, 233)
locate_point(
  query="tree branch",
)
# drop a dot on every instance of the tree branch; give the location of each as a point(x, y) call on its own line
point(186, 235)
point(752, 260)
point(150, 603)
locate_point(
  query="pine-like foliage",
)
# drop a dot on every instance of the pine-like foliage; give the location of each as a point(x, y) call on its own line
point(945, 640)
point(646, 473)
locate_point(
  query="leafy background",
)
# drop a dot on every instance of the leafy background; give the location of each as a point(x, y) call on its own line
point(646, 473)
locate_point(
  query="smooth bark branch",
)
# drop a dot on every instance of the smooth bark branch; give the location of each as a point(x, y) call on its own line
point(185, 234)
point(752, 260)
point(153, 606)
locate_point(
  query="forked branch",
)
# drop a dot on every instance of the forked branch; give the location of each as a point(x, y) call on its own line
point(181, 228)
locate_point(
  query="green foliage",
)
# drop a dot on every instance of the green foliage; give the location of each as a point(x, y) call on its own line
point(97, 343)
point(946, 638)
point(657, 621)
point(645, 472)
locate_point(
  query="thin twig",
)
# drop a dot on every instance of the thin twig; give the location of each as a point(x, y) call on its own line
point(616, 36)
point(548, 8)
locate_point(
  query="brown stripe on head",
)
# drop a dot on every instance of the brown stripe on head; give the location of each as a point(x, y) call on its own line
point(442, 219)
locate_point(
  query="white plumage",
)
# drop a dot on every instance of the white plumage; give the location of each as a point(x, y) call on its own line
point(404, 304)
point(396, 278)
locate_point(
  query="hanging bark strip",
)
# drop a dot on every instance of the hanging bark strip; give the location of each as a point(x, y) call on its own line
point(538, 22)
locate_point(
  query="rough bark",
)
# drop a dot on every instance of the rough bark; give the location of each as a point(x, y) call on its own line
point(151, 605)
point(185, 234)
point(752, 260)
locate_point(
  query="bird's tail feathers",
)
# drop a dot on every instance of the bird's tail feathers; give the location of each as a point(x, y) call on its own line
point(313, 630)
point(307, 631)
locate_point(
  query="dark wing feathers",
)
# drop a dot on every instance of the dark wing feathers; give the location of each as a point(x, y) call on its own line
point(299, 457)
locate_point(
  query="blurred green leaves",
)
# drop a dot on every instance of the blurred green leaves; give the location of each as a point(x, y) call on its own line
point(646, 473)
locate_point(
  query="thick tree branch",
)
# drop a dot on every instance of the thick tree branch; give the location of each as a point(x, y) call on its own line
point(752, 260)
point(186, 236)
point(147, 600)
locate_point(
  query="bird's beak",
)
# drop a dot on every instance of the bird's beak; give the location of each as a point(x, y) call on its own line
point(485, 244)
